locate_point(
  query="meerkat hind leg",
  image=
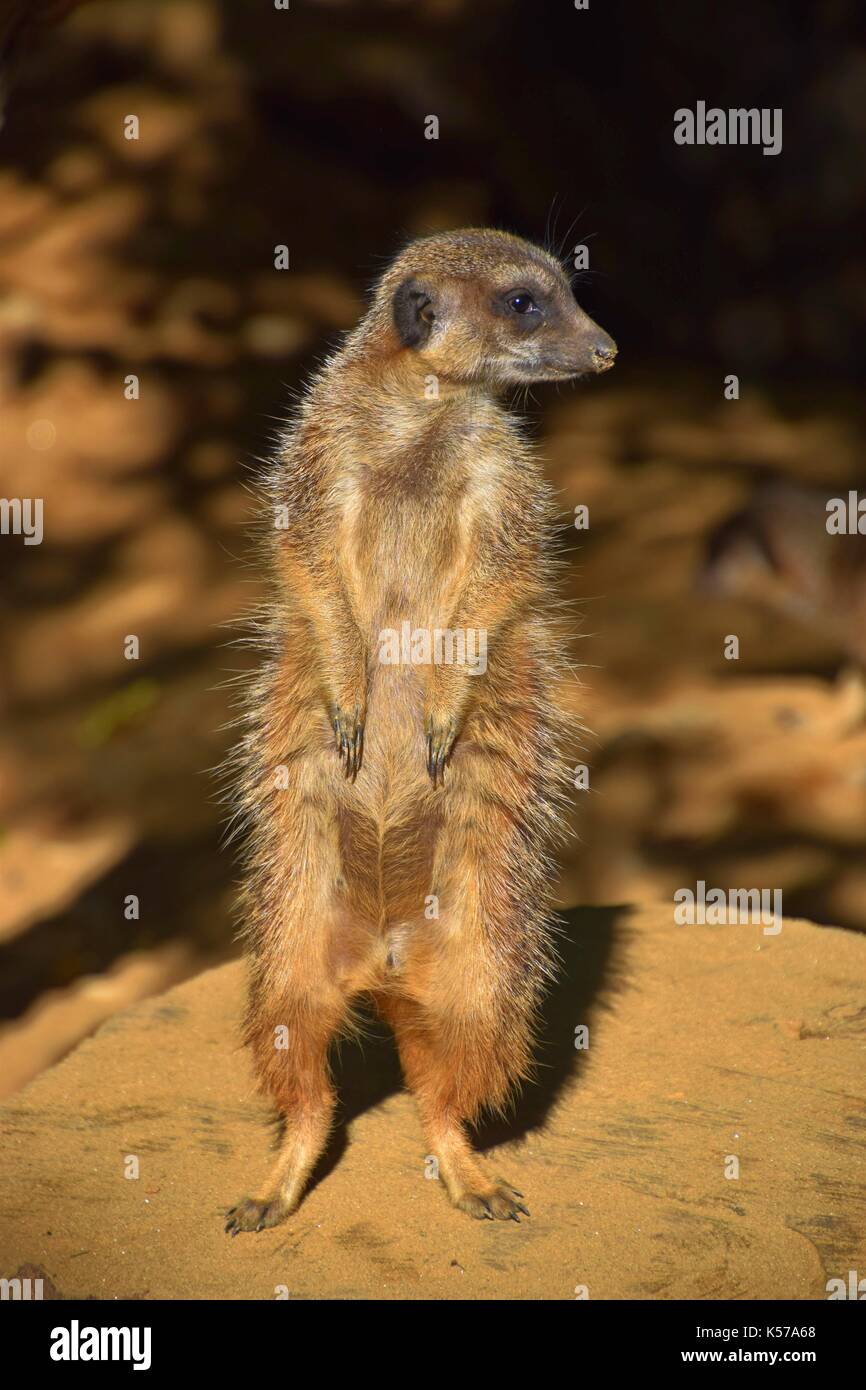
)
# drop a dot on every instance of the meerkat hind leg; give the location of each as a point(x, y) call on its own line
point(437, 1076)
point(467, 1180)
point(298, 1080)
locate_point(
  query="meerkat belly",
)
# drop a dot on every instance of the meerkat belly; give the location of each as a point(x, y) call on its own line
point(406, 560)
point(409, 563)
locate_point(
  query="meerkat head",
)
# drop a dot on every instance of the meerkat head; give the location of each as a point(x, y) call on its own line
point(484, 306)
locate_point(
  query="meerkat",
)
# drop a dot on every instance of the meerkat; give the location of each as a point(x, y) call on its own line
point(400, 803)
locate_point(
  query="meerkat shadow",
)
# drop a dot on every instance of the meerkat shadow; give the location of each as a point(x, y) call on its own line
point(367, 1070)
point(586, 978)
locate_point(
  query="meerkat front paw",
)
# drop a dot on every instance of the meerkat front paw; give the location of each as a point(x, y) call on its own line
point(441, 733)
point(348, 729)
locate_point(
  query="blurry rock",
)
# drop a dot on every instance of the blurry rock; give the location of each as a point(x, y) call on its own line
point(195, 321)
point(23, 205)
point(210, 458)
point(778, 552)
point(165, 123)
point(324, 298)
point(46, 262)
point(88, 467)
point(777, 768)
point(209, 300)
point(845, 894)
point(187, 34)
point(66, 288)
point(43, 869)
point(168, 587)
point(229, 509)
point(185, 339)
point(272, 335)
point(78, 170)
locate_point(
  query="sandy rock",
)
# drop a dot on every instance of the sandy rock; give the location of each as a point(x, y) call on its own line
point(707, 1044)
point(61, 1017)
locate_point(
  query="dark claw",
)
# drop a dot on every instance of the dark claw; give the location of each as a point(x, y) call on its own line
point(349, 735)
point(439, 745)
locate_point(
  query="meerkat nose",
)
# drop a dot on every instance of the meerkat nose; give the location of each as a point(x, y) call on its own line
point(603, 354)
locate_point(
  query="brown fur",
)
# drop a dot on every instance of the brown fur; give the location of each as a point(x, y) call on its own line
point(434, 511)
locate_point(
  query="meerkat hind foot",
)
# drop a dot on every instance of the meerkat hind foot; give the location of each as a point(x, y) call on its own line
point(256, 1214)
point(497, 1201)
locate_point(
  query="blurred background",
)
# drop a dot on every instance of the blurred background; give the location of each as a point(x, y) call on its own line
point(155, 258)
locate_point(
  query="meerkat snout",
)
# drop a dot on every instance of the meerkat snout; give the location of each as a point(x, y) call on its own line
point(603, 355)
point(595, 350)
point(485, 306)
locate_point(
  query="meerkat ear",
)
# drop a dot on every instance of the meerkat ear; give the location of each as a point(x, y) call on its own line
point(414, 312)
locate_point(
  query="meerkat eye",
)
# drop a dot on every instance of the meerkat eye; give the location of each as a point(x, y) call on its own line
point(521, 302)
